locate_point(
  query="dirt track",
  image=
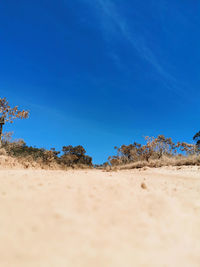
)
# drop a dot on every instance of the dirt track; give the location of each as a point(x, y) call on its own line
point(100, 219)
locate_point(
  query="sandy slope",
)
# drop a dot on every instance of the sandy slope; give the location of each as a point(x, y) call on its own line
point(100, 219)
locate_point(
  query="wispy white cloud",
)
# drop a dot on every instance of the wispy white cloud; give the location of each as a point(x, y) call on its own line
point(113, 23)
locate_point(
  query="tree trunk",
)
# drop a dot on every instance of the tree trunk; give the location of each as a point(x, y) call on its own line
point(1, 132)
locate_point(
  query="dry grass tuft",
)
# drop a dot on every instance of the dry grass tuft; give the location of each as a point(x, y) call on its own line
point(193, 160)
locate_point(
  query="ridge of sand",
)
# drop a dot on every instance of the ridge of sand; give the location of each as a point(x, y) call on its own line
point(100, 219)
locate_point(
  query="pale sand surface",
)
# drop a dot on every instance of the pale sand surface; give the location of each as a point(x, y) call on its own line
point(100, 219)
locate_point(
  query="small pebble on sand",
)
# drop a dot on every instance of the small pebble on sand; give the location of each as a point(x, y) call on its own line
point(143, 186)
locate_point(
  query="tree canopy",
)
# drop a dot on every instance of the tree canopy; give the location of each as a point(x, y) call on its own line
point(9, 114)
point(75, 155)
point(196, 138)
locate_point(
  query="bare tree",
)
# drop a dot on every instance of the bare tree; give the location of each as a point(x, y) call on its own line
point(9, 114)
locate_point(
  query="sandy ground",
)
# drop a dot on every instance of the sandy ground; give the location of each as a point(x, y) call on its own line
point(100, 219)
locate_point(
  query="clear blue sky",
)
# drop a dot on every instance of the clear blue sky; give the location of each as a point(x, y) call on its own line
point(101, 73)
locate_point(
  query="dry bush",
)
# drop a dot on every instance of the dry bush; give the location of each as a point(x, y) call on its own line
point(154, 148)
point(7, 162)
point(32, 157)
point(156, 152)
point(75, 156)
point(3, 152)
